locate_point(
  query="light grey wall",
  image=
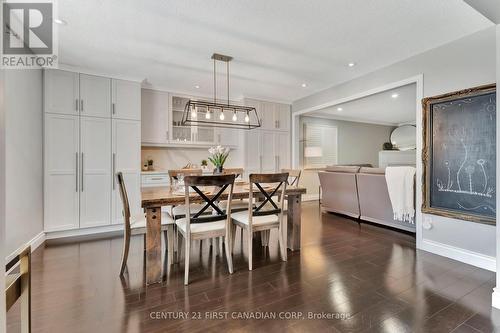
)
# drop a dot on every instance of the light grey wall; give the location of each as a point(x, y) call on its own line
point(464, 63)
point(24, 165)
point(356, 142)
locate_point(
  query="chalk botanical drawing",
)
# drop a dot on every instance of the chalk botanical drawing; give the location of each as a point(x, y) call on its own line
point(469, 176)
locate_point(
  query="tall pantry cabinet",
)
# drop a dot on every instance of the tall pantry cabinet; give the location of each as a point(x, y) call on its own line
point(92, 130)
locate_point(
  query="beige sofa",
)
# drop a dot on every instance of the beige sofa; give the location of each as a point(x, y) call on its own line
point(359, 193)
point(339, 190)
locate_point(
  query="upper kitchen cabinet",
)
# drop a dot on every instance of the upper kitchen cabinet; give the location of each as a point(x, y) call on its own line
point(154, 114)
point(61, 92)
point(282, 117)
point(95, 96)
point(126, 97)
point(273, 116)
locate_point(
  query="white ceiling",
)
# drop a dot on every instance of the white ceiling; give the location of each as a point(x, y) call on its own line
point(379, 108)
point(277, 45)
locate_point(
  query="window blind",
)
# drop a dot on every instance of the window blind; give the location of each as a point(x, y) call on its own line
point(325, 137)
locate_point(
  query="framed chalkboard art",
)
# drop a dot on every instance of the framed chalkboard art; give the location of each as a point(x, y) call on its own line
point(459, 154)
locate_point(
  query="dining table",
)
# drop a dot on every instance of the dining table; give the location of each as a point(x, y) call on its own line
point(153, 198)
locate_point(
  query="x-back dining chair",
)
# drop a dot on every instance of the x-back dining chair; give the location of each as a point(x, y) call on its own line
point(266, 214)
point(196, 225)
point(239, 204)
point(174, 175)
point(136, 225)
point(293, 180)
point(293, 176)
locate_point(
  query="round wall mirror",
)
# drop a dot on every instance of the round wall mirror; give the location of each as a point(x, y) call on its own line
point(404, 137)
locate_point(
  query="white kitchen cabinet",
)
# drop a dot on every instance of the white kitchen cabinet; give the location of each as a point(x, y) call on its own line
point(61, 92)
point(95, 171)
point(282, 117)
point(268, 113)
point(126, 100)
point(154, 116)
point(61, 178)
point(253, 155)
point(282, 147)
point(268, 152)
point(95, 96)
point(126, 158)
point(83, 149)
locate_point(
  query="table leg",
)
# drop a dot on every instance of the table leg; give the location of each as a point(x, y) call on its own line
point(153, 245)
point(294, 221)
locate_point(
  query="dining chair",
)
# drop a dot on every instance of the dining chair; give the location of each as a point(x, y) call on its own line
point(18, 286)
point(196, 226)
point(237, 172)
point(293, 180)
point(179, 211)
point(293, 176)
point(136, 225)
point(267, 214)
point(237, 204)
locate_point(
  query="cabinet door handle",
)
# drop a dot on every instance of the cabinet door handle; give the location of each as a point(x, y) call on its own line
point(76, 172)
point(76, 105)
point(113, 108)
point(260, 163)
point(166, 135)
point(82, 172)
point(114, 170)
point(81, 105)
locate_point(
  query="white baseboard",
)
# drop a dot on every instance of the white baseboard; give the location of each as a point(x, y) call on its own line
point(465, 256)
point(310, 197)
point(35, 242)
point(83, 232)
point(495, 298)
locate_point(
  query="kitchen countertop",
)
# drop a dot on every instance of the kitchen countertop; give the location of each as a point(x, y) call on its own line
point(154, 172)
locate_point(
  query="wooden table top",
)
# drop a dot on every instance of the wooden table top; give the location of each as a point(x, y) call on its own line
point(167, 195)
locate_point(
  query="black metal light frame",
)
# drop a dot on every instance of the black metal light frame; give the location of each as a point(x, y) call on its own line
point(195, 106)
point(202, 107)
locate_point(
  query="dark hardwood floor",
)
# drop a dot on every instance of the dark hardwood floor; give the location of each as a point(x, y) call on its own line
point(369, 279)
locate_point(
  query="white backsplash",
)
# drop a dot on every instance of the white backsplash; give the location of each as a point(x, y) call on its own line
point(176, 158)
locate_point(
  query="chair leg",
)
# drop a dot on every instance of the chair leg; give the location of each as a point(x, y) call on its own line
point(233, 236)
point(178, 250)
point(250, 241)
point(229, 255)
point(170, 243)
point(282, 244)
point(186, 261)
point(126, 247)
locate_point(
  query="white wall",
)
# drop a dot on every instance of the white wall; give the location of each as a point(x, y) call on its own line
point(24, 167)
point(357, 142)
point(464, 63)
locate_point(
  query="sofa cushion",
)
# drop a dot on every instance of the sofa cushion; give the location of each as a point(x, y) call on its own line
point(376, 171)
point(342, 168)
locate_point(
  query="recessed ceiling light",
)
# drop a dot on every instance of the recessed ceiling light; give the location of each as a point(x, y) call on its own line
point(197, 86)
point(304, 85)
point(394, 95)
point(339, 109)
point(351, 64)
point(60, 21)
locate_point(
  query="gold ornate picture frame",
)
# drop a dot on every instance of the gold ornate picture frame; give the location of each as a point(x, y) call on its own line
point(459, 154)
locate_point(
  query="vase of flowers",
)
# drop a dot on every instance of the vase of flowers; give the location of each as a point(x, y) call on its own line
point(218, 156)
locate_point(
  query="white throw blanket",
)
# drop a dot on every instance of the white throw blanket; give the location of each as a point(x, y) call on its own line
point(400, 182)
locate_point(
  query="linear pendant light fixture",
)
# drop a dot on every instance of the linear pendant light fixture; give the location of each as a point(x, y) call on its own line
point(214, 114)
